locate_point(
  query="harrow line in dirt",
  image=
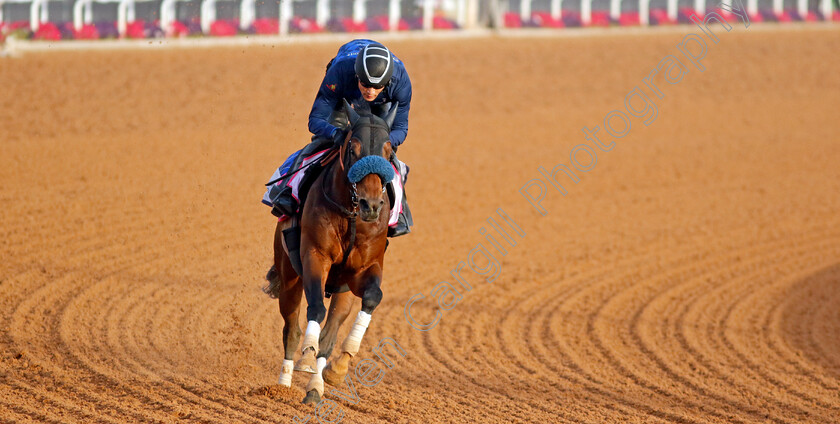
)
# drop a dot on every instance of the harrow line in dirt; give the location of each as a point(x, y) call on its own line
point(680, 336)
point(144, 367)
point(758, 370)
point(456, 378)
point(663, 365)
point(592, 382)
point(87, 365)
point(773, 322)
point(668, 266)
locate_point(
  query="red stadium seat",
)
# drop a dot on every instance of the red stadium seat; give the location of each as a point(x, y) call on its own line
point(305, 25)
point(48, 31)
point(513, 20)
point(439, 22)
point(87, 32)
point(223, 28)
point(660, 17)
point(784, 16)
point(136, 29)
point(812, 17)
point(350, 25)
point(545, 20)
point(600, 18)
point(684, 15)
point(17, 25)
point(266, 26)
point(177, 29)
point(381, 21)
point(629, 19)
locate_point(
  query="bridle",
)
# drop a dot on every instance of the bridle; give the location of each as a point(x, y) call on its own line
point(350, 214)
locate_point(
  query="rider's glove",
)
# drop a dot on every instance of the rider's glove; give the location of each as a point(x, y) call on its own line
point(338, 135)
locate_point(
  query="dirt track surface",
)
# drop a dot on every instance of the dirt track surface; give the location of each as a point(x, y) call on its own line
point(692, 276)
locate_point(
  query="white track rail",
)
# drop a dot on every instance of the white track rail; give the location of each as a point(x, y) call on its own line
point(15, 46)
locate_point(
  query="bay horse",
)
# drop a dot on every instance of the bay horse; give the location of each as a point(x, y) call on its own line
point(336, 249)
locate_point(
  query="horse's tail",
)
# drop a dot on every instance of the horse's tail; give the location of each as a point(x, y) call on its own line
point(272, 289)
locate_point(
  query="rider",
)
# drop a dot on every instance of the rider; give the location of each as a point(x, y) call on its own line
point(363, 70)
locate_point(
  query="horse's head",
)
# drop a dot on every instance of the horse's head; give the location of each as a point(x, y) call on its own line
point(366, 154)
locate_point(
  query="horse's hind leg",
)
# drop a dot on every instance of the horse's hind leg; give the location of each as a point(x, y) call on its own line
point(285, 285)
point(289, 301)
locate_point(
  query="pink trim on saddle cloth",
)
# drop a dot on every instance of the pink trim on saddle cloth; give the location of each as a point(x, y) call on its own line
point(398, 193)
point(294, 183)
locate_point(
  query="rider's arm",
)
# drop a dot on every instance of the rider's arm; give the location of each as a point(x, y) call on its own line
point(402, 94)
point(325, 102)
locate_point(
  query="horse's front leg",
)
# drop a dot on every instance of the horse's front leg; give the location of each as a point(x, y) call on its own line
point(340, 305)
point(371, 295)
point(315, 271)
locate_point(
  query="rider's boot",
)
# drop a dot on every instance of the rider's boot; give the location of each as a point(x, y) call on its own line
point(280, 194)
point(283, 203)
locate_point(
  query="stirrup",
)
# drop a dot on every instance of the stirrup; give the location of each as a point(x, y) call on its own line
point(284, 204)
point(398, 230)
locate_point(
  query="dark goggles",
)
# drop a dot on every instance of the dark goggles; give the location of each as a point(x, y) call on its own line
point(374, 86)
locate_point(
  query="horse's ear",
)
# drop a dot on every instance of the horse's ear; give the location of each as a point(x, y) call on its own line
point(352, 116)
point(389, 119)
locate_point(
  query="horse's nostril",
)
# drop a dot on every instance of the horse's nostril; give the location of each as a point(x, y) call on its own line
point(372, 206)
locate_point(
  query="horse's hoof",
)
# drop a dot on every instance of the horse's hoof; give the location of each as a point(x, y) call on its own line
point(312, 397)
point(332, 377)
point(307, 363)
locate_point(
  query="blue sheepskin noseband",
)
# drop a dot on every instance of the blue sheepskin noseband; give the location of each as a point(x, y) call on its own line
point(371, 165)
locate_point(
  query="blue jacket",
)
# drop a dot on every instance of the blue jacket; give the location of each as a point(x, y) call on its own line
point(340, 83)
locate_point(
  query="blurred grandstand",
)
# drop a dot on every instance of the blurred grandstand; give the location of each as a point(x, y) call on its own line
point(96, 19)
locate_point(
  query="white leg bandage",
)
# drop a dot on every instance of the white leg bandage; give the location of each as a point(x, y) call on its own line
point(286, 373)
point(313, 333)
point(354, 339)
point(316, 382)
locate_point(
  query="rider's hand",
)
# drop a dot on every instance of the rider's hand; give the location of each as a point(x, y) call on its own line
point(338, 135)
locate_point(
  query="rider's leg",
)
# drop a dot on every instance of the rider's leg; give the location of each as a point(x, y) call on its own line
point(404, 221)
point(281, 195)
